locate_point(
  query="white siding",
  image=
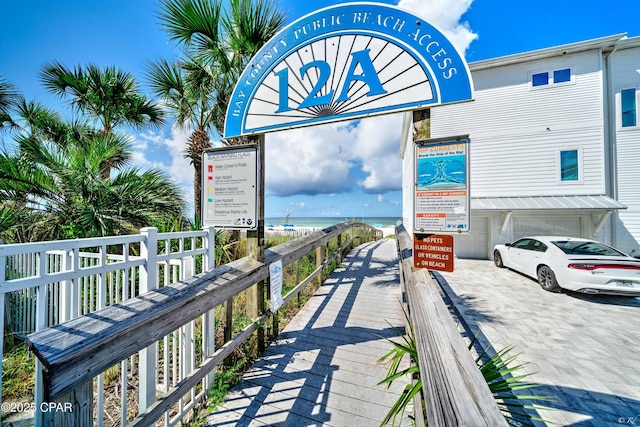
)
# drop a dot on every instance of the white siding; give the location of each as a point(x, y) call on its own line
point(625, 64)
point(517, 131)
point(408, 188)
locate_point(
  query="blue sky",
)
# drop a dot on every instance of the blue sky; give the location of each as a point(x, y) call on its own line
point(342, 170)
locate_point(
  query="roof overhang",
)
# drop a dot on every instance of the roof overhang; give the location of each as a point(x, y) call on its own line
point(603, 43)
point(546, 203)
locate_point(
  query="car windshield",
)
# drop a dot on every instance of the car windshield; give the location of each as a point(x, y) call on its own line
point(577, 247)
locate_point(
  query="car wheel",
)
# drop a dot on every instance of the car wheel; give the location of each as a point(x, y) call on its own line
point(547, 279)
point(497, 259)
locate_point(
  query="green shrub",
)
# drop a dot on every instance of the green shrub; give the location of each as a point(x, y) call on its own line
point(505, 383)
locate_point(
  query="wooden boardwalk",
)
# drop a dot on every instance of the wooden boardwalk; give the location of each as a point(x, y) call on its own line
point(322, 371)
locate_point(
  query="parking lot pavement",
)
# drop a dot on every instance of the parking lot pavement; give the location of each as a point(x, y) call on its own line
point(584, 350)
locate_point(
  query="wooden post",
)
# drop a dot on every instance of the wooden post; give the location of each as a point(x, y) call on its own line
point(421, 125)
point(327, 250)
point(298, 280)
point(255, 246)
point(73, 409)
point(319, 264)
point(228, 325)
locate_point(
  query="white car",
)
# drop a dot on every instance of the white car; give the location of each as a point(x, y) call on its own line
point(571, 263)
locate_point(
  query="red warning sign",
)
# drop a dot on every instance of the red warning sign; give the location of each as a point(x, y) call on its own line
point(433, 251)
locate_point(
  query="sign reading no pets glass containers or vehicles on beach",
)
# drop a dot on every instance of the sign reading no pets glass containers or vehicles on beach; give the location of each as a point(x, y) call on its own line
point(433, 251)
point(345, 62)
point(229, 187)
point(442, 197)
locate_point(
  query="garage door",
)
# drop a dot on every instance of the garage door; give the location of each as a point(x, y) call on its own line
point(473, 244)
point(546, 226)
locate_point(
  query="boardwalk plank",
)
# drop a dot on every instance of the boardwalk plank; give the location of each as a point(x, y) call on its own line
point(321, 370)
point(342, 358)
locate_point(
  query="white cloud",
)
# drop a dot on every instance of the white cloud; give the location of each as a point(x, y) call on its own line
point(308, 161)
point(166, 153)
point(446, 16)
point(377, 146)
point(155, 150)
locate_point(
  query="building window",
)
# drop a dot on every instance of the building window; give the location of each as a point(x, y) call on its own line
point(561, 76)
point(540, 79)
point(548, 78)
point(569, 168)
point(628, 107)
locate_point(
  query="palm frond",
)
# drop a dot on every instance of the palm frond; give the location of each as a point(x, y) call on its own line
point(192, 22)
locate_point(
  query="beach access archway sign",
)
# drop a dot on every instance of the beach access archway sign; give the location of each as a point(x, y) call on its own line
point(346, 62)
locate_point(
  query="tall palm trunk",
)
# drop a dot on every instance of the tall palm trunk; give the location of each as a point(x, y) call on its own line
point(199, 141)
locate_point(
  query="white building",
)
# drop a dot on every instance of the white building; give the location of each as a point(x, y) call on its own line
point(555, 146)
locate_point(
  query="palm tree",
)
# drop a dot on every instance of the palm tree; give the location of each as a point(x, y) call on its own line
point(8, 98)
point(218, 43)
point(53, 183)
point(110, 97)
point(188, 91)
point(60, 187)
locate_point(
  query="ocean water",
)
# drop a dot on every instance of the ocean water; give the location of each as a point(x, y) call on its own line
point(376, 221)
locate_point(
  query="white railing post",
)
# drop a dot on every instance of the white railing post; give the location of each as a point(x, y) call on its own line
point(3, 275)
point(209, 318)
point(41, 310)
point(148, 282)
point(66, 289)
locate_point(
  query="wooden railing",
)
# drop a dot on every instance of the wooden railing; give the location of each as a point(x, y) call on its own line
point(454, 391)
point(75, 352)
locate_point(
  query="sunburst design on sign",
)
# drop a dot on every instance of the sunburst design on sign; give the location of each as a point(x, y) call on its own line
point(337, 77)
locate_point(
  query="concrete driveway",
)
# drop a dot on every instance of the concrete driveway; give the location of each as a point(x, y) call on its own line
point(584, 350)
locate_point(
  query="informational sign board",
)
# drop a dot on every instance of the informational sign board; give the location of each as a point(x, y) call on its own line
point(442, 197)
point(275, 281)
point(230, 187)
point(433, 251)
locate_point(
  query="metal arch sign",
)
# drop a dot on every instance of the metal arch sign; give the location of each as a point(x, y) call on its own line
point(346, 62)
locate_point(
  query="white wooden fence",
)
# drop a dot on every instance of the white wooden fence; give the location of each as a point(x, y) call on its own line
point(46, 283)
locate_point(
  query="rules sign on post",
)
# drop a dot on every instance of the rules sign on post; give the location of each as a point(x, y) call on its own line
point(433, 251)
point(229, 187)
point(442, 186)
